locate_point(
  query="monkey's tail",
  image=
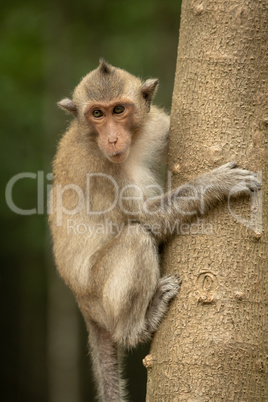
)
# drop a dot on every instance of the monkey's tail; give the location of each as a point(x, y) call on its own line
point(106, 359)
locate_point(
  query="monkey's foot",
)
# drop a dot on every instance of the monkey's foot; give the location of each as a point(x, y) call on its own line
point(168, 287)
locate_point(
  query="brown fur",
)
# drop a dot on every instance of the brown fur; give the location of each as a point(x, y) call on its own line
point(108, 255)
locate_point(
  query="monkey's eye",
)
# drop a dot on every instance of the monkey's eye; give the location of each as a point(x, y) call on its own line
point(97, 113)
point(118, 109)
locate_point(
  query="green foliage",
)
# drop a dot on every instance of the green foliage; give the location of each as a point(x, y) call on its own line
point(45, 48)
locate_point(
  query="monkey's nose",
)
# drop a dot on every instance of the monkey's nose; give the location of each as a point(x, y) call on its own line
point(112, 140)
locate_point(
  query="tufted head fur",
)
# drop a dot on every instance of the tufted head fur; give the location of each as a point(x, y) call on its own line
point(107, 83)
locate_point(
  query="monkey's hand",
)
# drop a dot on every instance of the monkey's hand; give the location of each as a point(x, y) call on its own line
point(197, 197)
point(231, 180)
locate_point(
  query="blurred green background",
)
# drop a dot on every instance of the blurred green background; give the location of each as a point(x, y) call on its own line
point(45, 49)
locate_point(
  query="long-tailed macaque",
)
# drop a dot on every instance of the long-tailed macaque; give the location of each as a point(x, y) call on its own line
point(108, 213)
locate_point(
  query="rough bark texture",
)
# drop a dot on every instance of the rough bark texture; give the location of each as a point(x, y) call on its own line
point(213, 344)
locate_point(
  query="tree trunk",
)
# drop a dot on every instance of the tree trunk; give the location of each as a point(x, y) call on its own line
point(212, 345)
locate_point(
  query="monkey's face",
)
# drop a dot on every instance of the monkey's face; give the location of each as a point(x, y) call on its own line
point(115, 104)
point(114, 125)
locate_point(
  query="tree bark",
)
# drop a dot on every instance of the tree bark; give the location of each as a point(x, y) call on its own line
point(213, 344)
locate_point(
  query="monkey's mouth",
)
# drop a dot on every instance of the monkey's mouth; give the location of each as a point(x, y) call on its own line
point(119, 156)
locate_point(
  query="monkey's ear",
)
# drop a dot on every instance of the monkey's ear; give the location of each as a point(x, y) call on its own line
point(105, 67)
point(68, 105)
point(148, 91)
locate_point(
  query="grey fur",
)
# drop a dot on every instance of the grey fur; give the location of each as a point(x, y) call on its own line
point(115, 275)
